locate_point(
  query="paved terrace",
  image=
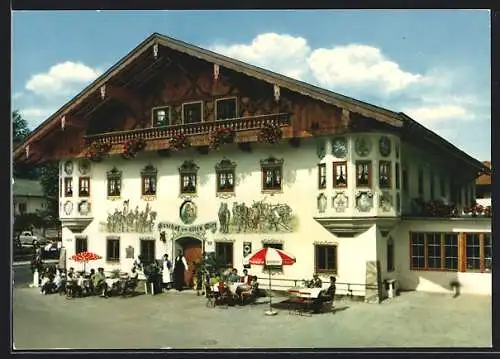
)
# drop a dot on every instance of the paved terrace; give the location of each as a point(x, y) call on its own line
point(181, 320)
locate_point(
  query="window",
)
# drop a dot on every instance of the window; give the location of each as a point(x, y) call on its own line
point(397, 176)
point(114, 182)
point(225, 109)
point(161, 116)
point(192, 112)
point(486, 252)
point(434, 251)
point(390, 255)
point(272, 170)
point(363, 173)
point(276, 246)
point(325, 259)
point(384, 174)
point(68, 187)
point(225, 175)
point(431, 188)
point(224, 253)
point(421, 183)
point(148, 250)
point(473, 250)
point(84, 187)
point(188, 177)
point(81, 244)
point(148, 180)
point(22, 208)
point(405, 181)
point(112, 249)
point(322, 176)
point(451, 251)
point(442, 186)
point(340, 174)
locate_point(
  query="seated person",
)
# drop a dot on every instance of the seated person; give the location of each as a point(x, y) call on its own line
point(59, 281)
point(48, 285)
point(325, 295)
point(130, 281)
point(248, 291)
point(246, 278)
point(233, 276)
point(91, 280)
point(316, 281)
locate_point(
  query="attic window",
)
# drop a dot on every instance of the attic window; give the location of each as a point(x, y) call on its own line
point(225, 108)
point(192, 112)
point(161, 116)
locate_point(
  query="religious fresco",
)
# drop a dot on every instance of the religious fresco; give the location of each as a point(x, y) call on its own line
point(127, 220)
point(259, 217)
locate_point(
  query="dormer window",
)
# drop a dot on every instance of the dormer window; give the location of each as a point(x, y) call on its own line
point(161, 116)
point(272, 174)
point(225, 173)
point(149, 177)
point(188, 177)
point(114, 182)
point(192, 112)
point(225, 109)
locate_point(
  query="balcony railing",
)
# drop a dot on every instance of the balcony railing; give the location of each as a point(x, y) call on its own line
point(157, 133)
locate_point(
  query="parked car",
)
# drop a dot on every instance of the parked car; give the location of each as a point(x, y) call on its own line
point(27, 239)
point(51, 250)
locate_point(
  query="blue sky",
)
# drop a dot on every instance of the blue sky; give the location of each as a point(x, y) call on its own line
point(432, 64)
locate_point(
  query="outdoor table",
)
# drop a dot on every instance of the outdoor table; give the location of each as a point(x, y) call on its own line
point(303, 292)
point(111, 281)
point(234, 286)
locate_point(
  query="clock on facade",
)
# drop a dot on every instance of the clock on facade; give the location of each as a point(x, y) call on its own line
point(363, 146)
point(384, 146)
point(339, 147)
point(68, 168)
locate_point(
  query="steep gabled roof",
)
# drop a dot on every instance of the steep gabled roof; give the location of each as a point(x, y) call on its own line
point(353, 105)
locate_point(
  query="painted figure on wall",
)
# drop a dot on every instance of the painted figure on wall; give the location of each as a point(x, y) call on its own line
point(260, 217)
point(127, 220)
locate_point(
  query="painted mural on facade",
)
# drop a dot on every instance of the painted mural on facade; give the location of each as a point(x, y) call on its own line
point(127, 220)
point(258, 217)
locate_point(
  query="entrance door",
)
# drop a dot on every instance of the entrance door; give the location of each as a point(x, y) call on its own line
point(192, 253)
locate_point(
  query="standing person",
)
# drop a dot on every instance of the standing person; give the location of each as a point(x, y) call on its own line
point(166, 274)
point(179, 267)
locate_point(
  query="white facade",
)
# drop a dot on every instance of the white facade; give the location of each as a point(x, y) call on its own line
point(299, 191)
point(25, 204)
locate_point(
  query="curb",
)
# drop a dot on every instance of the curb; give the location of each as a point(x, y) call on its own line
point(21, 263)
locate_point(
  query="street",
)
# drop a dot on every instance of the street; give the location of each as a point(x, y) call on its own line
point(181, 320)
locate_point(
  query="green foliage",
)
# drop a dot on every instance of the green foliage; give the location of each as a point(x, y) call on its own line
point(49, 179)
point(26, 221)
point(20, 128)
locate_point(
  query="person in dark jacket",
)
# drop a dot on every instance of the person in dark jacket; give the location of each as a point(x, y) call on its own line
point(325, 296)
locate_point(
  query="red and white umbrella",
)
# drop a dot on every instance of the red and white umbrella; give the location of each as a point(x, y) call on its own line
point(269, 257)
point(85, 257)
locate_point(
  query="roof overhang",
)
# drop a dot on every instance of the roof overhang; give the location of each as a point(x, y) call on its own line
point(353, 226)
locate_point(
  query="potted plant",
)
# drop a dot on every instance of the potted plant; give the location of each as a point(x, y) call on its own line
point(96, 151)
point(270, 133)
point(221, 136)
point(178, 142)
point(131, 147)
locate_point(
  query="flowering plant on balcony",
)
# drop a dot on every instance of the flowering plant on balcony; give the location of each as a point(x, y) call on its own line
point(96, 151)
point(131, 147)
point(179, 141)
point(478, 210)
point(434, 208)
point(220, 136)
point(270, 133)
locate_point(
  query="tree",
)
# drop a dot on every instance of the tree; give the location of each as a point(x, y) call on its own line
point(49, 179)
point(20, 132)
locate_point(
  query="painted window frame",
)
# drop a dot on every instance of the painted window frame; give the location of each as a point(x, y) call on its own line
point(81, 181)
point(370, 173)
point(184, 113)
point(68, 186)
point(275, 167)
point(336, 165)
point(388, 167)
point(322, 176)
point(186, 170)
point(114, 175)
point(78, 244)
point(326, 247)
point(225, 168)
point(216, 112)
point(149, 172)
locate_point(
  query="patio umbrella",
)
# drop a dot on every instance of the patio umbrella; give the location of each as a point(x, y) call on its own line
point(85, 257)
point(269, 257)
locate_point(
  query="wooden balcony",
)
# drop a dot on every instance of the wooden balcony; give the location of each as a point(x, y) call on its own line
point(240, 124)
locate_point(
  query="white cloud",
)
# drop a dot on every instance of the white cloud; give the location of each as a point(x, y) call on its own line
point(281, 53)
point(62, 79)
point(439, 113)
point(359, 65)
point(17, 95)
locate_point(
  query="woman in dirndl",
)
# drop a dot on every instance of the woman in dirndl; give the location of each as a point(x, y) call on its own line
point(166, 274)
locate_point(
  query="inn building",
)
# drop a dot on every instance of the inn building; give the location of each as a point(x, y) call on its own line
point(177, 147)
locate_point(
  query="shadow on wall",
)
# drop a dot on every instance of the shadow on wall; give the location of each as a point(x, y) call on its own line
point(431, 281)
